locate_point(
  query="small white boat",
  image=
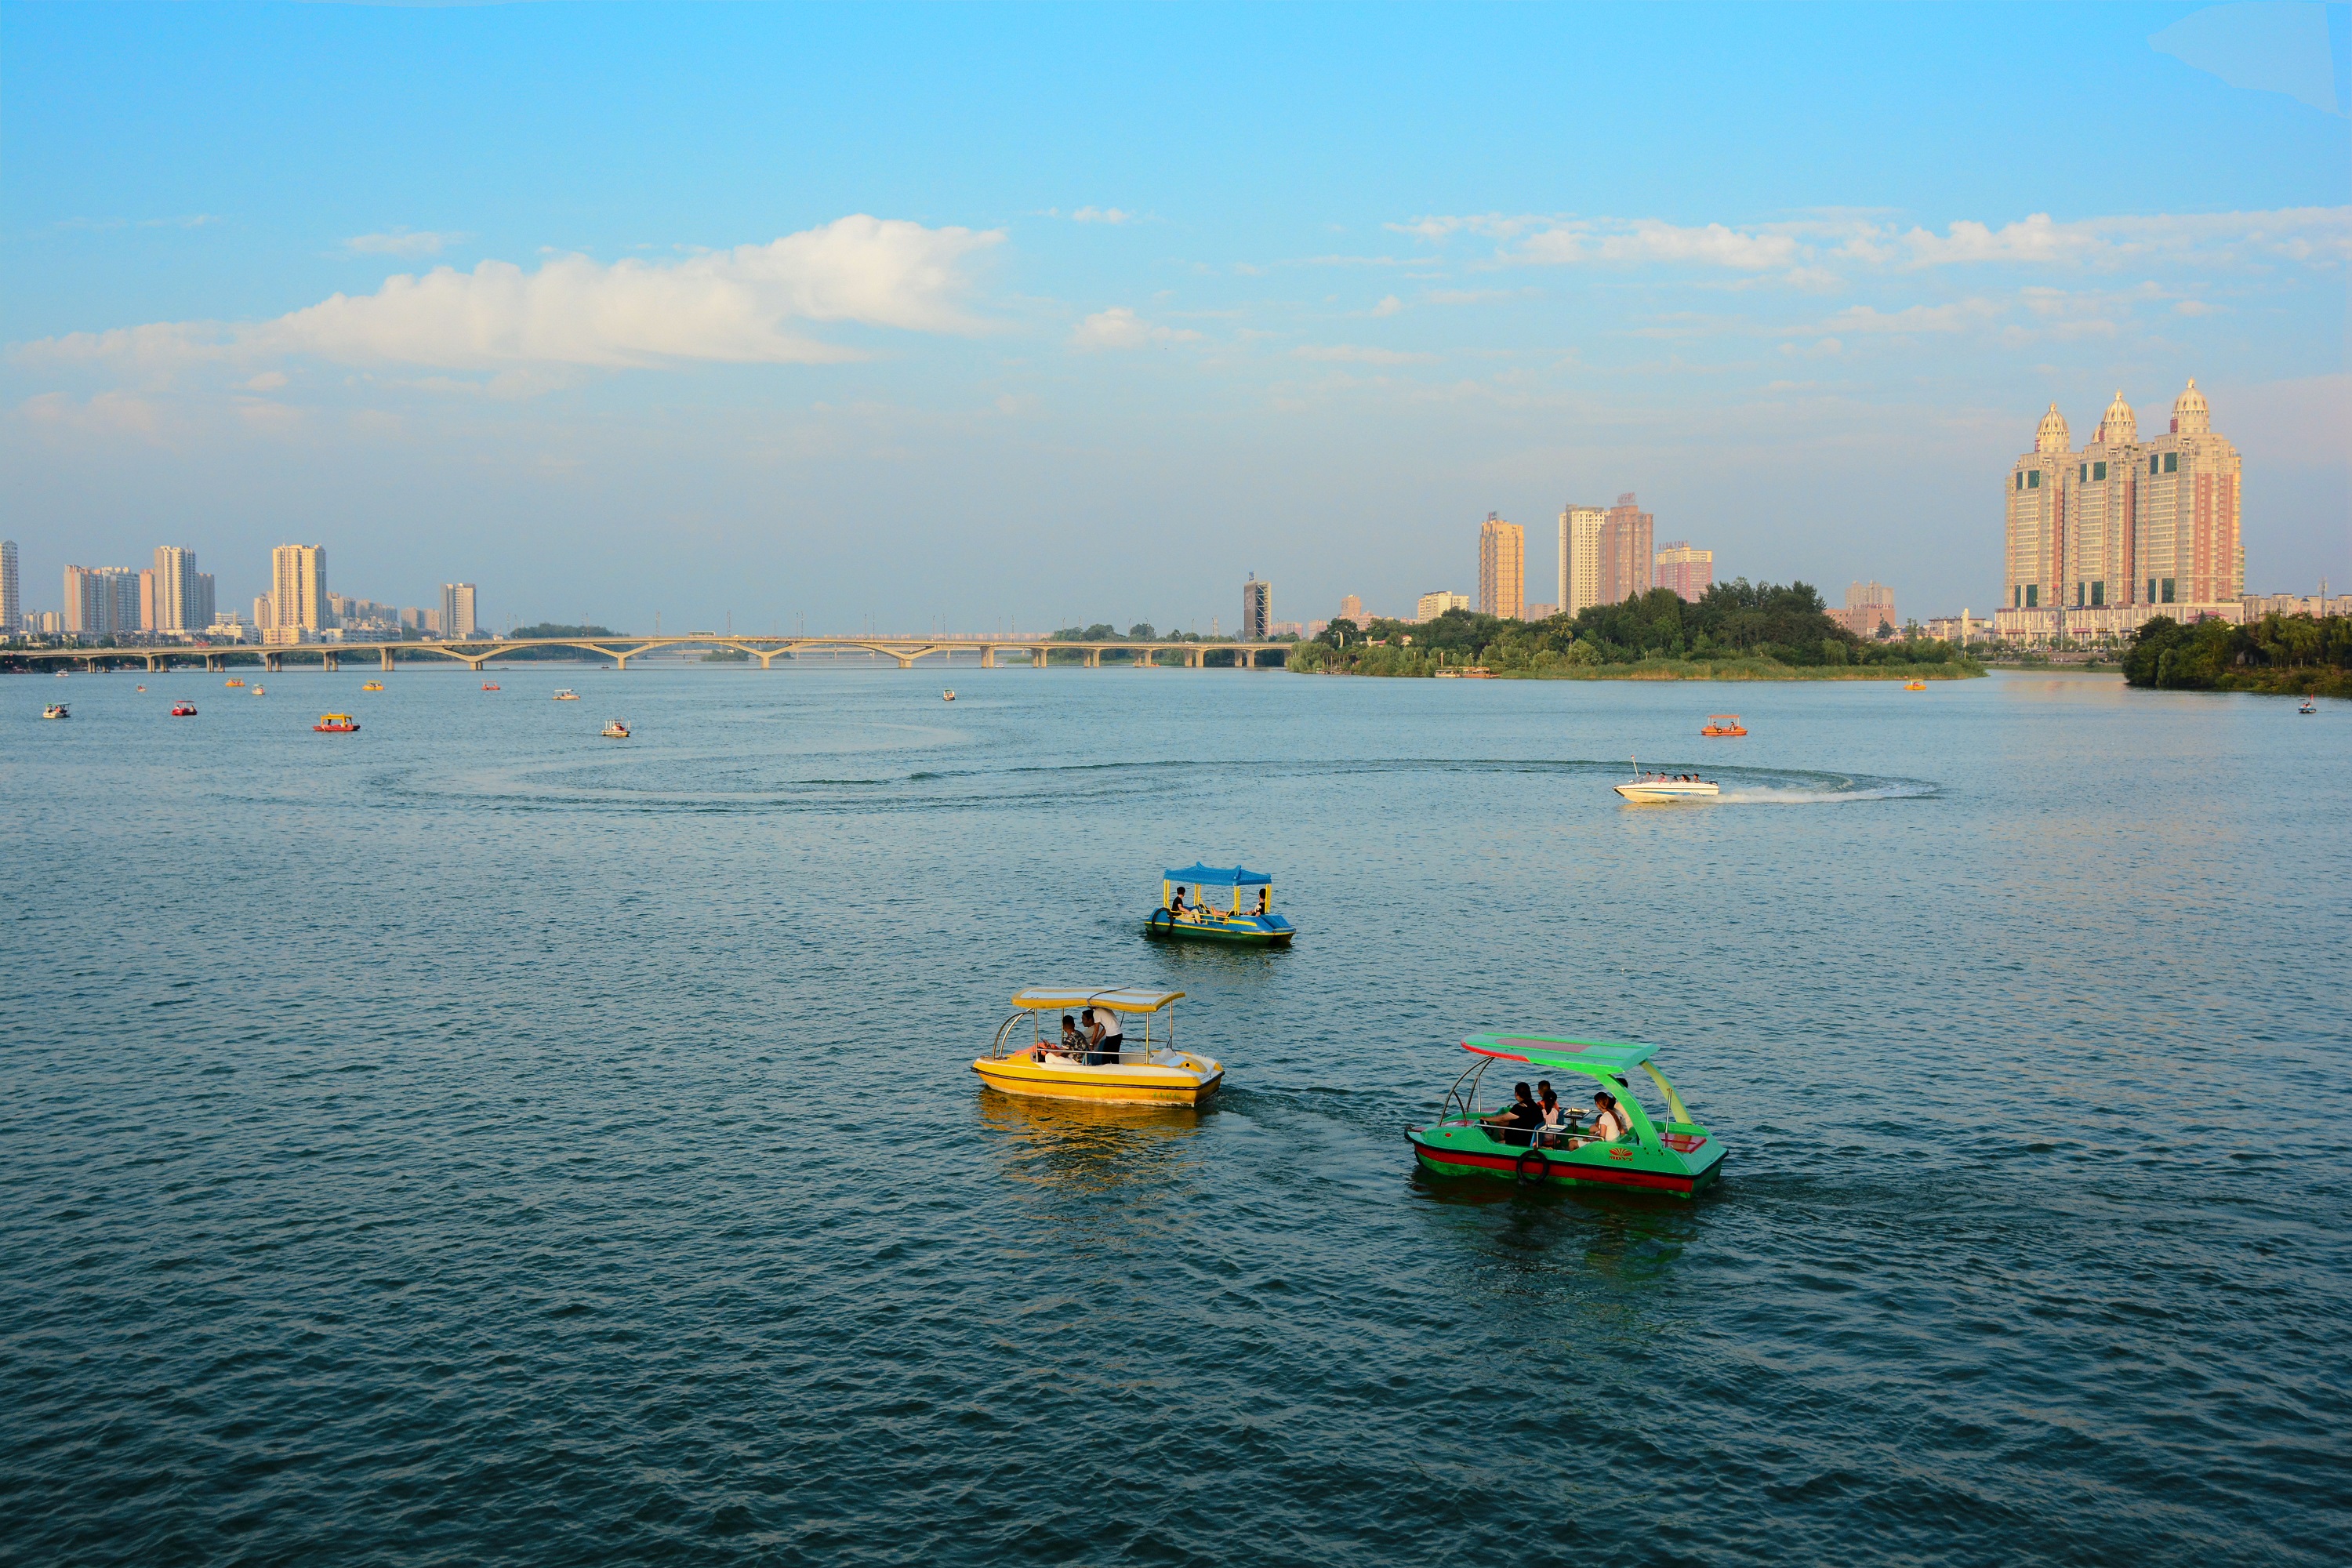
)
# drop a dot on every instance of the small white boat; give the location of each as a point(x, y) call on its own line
point(2308, 707)
point(1644, 786)
point(56, 710)
point(616, 731)
point(567, 695)
point(948, 694)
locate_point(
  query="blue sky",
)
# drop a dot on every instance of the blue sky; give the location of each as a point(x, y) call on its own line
point(967, 316)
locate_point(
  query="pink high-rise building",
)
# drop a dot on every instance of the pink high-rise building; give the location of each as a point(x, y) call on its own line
point(1689, 573)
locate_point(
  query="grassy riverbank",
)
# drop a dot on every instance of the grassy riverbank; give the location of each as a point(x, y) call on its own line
point(1403, 663)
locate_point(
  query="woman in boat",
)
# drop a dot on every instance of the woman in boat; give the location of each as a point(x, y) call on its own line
point(1608, 1124)
point(1519, 1119)
point(1557, 1120)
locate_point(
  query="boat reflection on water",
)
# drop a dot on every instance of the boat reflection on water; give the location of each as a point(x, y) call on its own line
point(1083, 1146)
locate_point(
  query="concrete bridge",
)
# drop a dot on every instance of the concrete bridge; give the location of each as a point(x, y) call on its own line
point(476, 653)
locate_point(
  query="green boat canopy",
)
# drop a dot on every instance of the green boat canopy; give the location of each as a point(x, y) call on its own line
point(1562, 1051)
point(1220, 876)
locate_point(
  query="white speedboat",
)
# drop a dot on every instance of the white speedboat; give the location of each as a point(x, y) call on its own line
point(1644, 786)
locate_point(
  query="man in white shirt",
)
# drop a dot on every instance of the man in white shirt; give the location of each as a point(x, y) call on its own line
point(1109, 1035)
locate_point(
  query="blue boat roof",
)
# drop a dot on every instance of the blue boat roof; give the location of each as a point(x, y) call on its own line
point(1219, 876)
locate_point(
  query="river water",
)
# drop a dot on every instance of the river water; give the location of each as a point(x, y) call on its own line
point(474, 1141)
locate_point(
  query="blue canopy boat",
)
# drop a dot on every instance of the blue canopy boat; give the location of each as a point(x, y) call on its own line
point(1219, 903)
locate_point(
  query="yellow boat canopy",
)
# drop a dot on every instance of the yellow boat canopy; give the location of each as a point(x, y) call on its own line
point(1117, 998)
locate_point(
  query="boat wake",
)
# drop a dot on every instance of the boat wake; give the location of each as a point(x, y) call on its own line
point(1839, 793)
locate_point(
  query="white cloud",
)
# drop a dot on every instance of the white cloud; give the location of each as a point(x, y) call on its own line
point(107, 413)
point(1101, 215)
point(1956, 317)
point(1120, 328)
point(403, 242)
point(1468, 295)
point(1353, 353)
point(739, 306)
point(1389, 306)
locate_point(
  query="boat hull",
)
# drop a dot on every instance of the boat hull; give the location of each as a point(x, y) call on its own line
point(1649, 793)
point(1250, 931)
point(1622, 1166)
point(1131, 1083)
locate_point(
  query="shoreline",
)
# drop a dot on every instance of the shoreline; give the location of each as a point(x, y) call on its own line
point(1702, 669)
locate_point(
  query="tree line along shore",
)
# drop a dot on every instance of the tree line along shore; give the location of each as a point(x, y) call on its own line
point(1734, 631)
point(2278, 656)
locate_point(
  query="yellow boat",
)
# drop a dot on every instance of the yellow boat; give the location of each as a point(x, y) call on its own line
point(1149, 1071)
point(1915, 686)
point(372, 686)
point(232, 683)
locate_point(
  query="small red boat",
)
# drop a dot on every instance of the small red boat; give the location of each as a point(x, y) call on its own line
point(489, 686)
point(184, 710)
point(336, 724)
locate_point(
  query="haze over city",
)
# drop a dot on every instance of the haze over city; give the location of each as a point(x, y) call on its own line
point(924, 318)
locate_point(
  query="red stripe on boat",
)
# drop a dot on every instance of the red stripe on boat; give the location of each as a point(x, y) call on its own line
point(1504, 1056)
point(1656, 1180)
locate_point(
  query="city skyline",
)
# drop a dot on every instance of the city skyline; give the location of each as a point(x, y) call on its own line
point(1097, 351)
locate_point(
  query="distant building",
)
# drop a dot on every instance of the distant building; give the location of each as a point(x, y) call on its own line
point(1316, 628)
point(174, 594)
point(1580, 556)
point(1351, 608)
point(2098, 541)
point(201, 606)
point(1429, 606)
point(1689, 573)
point(149, 613)
point(1958, 630)
point(1868, 607)
point(1286, 629)
point(1542, 611)
point(1625, 553)
point(1502, 569)
point(2254, 607)
point(298, 589)
point(1257, 611)
point(421, 620)
point(102, 601)
point(264, 614)
point(12, 597)
point(457, 610)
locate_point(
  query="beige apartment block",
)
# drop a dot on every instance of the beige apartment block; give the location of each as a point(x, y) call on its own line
point(1868, 607)
point(1351, 608)
point(175, 590)
point(1429, 606)
point(1502, 569)
point(2140, 526)
point(298, 587)
point(1580, 556)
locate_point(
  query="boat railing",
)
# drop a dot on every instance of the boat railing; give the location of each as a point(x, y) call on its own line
point(1147, 1050)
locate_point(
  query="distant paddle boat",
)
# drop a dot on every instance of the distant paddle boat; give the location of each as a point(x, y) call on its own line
point(1722, 724)
point(1676, 1156)
point(259, 690)
point(336, 724)
point(1146, 1070)
point(2308, 707)
point(616, 731)
point(372, 686)
point(948, 694)
point(1915, 686)
point(1185, 910)
point(56, 710)
point(489, 686)
point(184, 710)
point(567, 695)
point(232, 680)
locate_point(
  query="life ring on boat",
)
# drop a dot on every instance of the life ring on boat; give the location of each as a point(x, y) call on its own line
point(1519, 1167)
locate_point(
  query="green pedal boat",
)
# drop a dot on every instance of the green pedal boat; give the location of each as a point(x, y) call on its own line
point(1219, 903)
point(1677, 1156)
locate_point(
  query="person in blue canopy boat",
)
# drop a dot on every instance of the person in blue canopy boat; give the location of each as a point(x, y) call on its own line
point(1177, 909)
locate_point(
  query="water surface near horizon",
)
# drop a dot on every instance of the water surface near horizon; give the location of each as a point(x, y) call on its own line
point(474, 1140)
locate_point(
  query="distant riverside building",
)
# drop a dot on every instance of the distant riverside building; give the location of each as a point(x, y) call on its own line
point(1689, 573)
point(174, 594)
point(1868, 607)
point(1502, 569)
point(2254, 607)
point(149, 611)
point(1625, 553)
point(102, 601)
point(1957, 629)
point(1580, 556)
point(2098, 541)
point(12, 597)
point(1257, 611)
point(457, 610)
point(1542, 611)
point(1429, 606)
point(201, 606)
point(1351, 608)
point(297, 588)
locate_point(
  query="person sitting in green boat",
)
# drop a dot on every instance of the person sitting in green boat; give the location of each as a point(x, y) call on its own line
point(1608, 1124)
point(1519, 1119)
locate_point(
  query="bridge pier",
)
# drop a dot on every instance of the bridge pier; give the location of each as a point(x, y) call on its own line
point(768, 660)
point(387, 659)
point(475, 665)
point(619, 661)
point(905, 661)
point(1094, 659)
point(988, 657)
point(273, 662)
point(330, 662)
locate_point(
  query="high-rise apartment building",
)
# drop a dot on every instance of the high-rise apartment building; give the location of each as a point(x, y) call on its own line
point(297, 588)
point(200, 608)
point(12, 597)
point(1258, 610)
point(1625, 553)
point(1580, 556)
point(175, 591)
point(457, 610)
point(1351, 608)
point(1502, 569)
point(1689, 573)
point(102, 601)
point(150, 613)
point(2100, 540)
point(1868, 607)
